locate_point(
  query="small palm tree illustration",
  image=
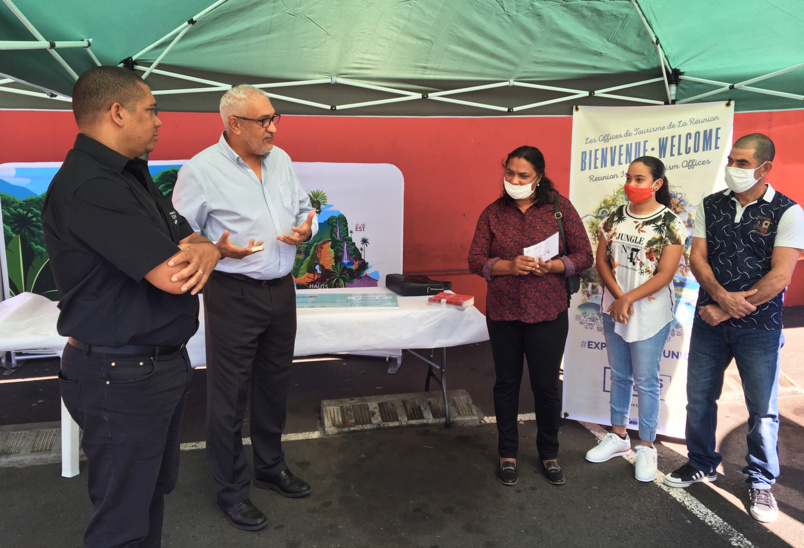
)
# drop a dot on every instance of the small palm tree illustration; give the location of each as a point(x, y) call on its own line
point(364, 242)
point(319, 199)
point(339, 276)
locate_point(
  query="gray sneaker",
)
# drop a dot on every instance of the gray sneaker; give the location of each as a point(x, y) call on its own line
point(763, 505)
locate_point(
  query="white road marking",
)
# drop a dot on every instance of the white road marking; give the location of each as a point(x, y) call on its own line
point(720, 527)
point(298, 436)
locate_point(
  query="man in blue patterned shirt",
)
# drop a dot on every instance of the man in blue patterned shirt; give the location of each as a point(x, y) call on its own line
point(745, 247)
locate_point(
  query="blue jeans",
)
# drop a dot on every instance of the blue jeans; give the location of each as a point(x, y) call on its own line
point(756, 353)
point(636, 363)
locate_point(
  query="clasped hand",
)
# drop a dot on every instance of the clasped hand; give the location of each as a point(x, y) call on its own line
point(731, 305)
point(621, 309)
point(200, 258)
point(523, 265)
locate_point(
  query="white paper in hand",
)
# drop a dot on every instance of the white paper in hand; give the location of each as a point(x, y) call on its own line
point(544, 250)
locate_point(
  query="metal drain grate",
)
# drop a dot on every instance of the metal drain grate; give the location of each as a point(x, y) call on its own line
point(394, 410)
point(32, 446)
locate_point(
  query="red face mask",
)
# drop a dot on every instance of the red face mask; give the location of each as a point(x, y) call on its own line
point(637, 195)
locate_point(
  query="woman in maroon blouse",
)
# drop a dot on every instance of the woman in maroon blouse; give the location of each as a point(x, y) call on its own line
point(526, 303)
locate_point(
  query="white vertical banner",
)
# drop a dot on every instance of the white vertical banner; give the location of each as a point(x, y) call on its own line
point(693, 141)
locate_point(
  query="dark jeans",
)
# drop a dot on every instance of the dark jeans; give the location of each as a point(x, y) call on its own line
point(756, 353)
point(542, 344)
point(250, 337)
point(130, 409)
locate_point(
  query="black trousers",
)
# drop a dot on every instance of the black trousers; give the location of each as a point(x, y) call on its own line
point(250, 336)
point(130, 409)
point(542, 344)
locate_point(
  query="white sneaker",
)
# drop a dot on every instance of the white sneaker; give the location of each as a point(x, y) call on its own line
point(645, 463)
point(609, 447)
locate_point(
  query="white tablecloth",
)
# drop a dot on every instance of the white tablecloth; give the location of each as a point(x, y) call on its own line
point(28, 321)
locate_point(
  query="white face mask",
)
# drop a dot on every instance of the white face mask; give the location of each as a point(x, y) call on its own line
point(741, 180)
point(518, 192)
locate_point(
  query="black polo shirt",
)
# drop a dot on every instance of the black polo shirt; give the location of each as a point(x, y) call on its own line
point(106, 225)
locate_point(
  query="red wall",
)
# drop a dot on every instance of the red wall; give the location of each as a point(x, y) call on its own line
point(451, 165)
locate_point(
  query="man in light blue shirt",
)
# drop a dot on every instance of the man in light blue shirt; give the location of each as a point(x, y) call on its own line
point(239, 192)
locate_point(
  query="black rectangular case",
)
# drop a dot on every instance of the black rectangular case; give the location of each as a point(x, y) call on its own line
point(411, 286)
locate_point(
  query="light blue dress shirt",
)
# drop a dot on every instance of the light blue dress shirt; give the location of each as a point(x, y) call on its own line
point(216, 191)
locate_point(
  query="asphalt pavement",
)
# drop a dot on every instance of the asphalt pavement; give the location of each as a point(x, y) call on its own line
point(426, 486)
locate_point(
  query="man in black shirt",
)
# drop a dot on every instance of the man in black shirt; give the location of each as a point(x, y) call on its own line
point(127, 268)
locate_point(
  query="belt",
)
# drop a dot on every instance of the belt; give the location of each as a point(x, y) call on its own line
point(250, 280)
point(125, 350)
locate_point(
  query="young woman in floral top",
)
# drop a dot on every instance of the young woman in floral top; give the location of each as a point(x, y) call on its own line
point(526, 303)
point(639, 249)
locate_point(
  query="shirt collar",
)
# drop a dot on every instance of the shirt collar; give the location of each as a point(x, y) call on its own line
point(100, 152)
point(767, 196)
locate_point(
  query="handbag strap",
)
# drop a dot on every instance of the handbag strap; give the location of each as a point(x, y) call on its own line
point(558, 217)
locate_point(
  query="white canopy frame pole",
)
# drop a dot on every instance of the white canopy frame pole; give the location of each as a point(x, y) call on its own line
point(43, 93)
point(571, 95)
point(744, 85)
point(771, 92)
point(551, 101)
point(723, 86)
point(631, 99)
point(605, 92)
point(468, 90)
point(228, 86)
point(43, 44)
point(356, 84)
point(215, 86)
point(467, 103)
point(770, 75)
point(405, 95)
point(178, 29)
point(300, 101)
point(92, 54)
point(179, 76)
point(578, 94)
point(443, 96)
point(294, 83)
point(24, 20)
point(167, 49)
point(668, 87)
point(378, 102)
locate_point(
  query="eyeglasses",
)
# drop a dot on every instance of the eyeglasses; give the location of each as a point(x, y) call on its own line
point(264, 122)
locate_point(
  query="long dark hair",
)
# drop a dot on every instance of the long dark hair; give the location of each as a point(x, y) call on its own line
point(545, 188)
point(656, 168)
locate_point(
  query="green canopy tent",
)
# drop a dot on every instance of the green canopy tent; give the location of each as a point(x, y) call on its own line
point(415, 57)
